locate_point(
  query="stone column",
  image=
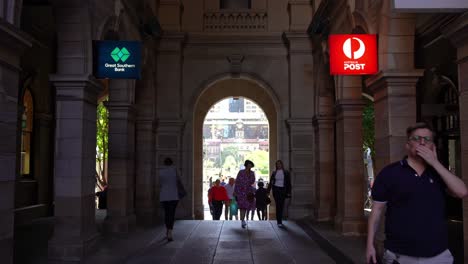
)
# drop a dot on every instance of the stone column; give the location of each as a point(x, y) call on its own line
point(395, 110)
point(457, 32)
point(75, 232)
point(301, 133)
point(169, 144)
point(325, 168)
point(349, 162)
point(301, 130)
point(349, 219)
point(121, 191)
point(145, 205)
point(12, 45)
point(44, 124)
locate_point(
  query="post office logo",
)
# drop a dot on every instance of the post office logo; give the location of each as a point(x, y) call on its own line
point(353, 54)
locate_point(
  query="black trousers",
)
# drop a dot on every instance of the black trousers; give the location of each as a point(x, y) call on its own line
point(279, 194)
point(169, 213)
point(217, 209)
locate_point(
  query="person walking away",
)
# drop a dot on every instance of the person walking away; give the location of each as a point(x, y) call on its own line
point(280, 183)
point(413, 192)
point(218, 195)
point(168, 194)
point(243, 190)
point(261, 201)
point(230, 192)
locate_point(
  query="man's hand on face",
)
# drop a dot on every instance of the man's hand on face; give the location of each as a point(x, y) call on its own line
point(428, 153)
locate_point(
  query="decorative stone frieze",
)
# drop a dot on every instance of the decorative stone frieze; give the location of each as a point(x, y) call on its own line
point(229, 21)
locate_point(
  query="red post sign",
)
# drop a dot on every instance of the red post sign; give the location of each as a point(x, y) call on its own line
point(354, 54)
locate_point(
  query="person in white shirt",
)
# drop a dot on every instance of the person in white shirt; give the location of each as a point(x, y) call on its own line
point(280, 182)
point(230, 192)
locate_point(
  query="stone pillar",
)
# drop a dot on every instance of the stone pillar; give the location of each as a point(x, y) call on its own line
point(169, 76)
point(12, 45)
point(75, 231)
point(349, 219)
point(169, 144)
point(457, 32)
point(325, 168)
point(121, 191)
point(301, 130)
point(145, 204)
point(44, 124)
point(395, 110)
point(301, 134)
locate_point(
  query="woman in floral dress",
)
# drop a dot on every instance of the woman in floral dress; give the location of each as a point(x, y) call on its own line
point(243, 190)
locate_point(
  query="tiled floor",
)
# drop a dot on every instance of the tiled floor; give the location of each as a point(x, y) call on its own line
point(216, 242)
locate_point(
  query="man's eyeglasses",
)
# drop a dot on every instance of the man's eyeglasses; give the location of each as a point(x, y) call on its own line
point(426, 139)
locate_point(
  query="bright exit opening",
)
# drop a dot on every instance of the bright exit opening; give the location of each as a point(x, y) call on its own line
point(235, 129)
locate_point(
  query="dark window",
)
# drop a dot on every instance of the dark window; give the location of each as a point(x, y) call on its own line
point(236, 105)
point(26, 133)
point(235, 4)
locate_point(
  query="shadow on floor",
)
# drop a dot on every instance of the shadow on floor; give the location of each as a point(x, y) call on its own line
point(351, 249)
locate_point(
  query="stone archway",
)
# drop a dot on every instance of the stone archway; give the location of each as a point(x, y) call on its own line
point(214, 92)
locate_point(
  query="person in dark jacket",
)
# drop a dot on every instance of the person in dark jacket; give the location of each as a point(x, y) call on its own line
point(280, 183)
point(261, 200)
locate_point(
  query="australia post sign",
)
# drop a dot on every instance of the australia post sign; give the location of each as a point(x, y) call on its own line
point(117, 59)
point(354, 54)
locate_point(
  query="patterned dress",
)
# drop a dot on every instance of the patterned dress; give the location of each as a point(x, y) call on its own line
point(243, 186)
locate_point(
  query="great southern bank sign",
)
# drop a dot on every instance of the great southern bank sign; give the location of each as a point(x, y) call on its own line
point(117, 59)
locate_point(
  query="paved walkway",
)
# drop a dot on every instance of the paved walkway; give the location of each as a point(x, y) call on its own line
point(215, 242)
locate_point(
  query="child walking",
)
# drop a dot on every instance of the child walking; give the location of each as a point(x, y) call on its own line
point(262, 200)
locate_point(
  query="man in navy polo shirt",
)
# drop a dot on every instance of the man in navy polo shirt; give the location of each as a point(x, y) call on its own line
point(413, 191)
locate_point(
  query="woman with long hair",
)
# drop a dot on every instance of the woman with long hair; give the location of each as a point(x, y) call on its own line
point(280, 182)
point(243, 190)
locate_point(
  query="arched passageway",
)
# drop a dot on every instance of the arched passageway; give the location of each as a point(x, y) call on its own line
point(214, 92)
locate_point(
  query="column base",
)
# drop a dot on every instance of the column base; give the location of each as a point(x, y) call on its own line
point(294, 212)
point(199, 212)
point(6, 250)
point(324, 213)
point(64, 250)
point(146, 217)
point(351, 227)
point(119, 224)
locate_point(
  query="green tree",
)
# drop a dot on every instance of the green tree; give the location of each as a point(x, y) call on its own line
point(230, 151)
point(261, 160)
point(230, 166)
point(102, 144)
point(368, 125)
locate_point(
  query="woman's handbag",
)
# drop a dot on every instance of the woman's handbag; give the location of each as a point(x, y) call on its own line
point(233, 207)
